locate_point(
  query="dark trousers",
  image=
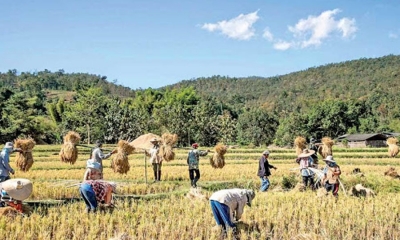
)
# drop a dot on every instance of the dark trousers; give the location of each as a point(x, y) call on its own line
point(4, 178)
point(88, 196)
point(332, 187)
point(193, 178)
point(221, 214)
point(307, 179)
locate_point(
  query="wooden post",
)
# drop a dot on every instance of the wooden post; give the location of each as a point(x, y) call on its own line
point(145, 167)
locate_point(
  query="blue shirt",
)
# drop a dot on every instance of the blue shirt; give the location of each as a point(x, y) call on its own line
point(5, 168)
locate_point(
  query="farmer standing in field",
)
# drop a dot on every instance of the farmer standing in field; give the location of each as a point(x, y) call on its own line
point(331, 176)
point(5, 168)
point(155, 159)
point(305, 161)
point(227, 206)
point(98, 155)
point(264, 171)
point(193, 162)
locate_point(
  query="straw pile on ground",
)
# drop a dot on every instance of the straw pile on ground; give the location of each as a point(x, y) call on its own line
point(24, 159)
point(196, 193)
point(393, 148)
point(218, 160)
point(326, 148)
point(361, 191)
point(300, 143)
point(69, 152)
point(8, 212)
point(300, 187)
point(391, 172)
point(167, 143)
point(120, 163)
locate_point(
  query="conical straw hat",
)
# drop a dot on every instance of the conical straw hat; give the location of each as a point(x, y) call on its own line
point(18, 188)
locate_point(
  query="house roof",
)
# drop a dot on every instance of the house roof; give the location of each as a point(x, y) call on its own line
point(363, 137)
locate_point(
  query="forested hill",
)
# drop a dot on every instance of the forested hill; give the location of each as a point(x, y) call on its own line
point(373, 80)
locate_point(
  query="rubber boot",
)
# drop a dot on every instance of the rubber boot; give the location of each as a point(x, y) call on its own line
point(195, 182)
point(159, 176)
point(155, 176)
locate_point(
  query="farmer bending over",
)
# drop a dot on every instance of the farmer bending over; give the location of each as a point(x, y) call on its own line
point(227, 206)
point(95, 192)
point(193, 162)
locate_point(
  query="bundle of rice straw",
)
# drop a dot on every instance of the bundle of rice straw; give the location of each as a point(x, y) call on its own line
point(218, 159)
point(69, 152)
point(393, 148)
point(8, 212)
point(24, 160)
point(299, 187)
point(196, 193)
point(391, 172)
point(300, 144)
point(326, 148)
point(120, 162)
point(167, 143)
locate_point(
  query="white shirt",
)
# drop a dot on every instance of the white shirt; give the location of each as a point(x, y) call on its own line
point(235, 199)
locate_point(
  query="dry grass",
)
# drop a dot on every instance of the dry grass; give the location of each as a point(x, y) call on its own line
point(300, 143)
point(120, 162)
point(24, 159)
point(217, 160)
point(326, 148)
point(69, 152)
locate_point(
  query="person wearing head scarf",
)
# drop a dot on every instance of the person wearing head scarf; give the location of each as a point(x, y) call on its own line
point(95, 192)
point(306, 161)
point(264, 171)
point(5, 168)
point(227, 206)
point(314, 146)
point(92, 171)
point(98, 155)
point(155, 159)
point(331, 176)
point(193, 163)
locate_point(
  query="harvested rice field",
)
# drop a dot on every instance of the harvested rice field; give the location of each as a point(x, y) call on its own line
point(162, 210)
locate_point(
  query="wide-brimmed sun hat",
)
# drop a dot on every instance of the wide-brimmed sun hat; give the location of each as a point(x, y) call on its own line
point(306, 153)
point(329, 158)
point(9, 145)
point(18, 188)
point(266, 152)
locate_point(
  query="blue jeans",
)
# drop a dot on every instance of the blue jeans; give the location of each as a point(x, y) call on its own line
point(221, 214)
point(264, 184)
point(89, 196)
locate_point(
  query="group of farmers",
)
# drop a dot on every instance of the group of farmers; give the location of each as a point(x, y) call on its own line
point(227, 205)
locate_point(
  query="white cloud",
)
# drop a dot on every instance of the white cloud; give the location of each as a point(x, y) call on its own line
point(393, 35)
point(282, 45)
point(315, 29)
point(268, 35)
point(240, 27)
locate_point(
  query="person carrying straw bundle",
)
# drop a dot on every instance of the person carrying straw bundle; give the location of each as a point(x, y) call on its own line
point(24, 157)
point(393, 148)
point(193, 162)
point(98, 155)
point(218, 159)
point(305, 161)
point(300, 143)
point(167, 143)
point(5, 168)
point(120, 162)
point(331, 176)
point(326, 148)
point(69, 152)
point(155, 158)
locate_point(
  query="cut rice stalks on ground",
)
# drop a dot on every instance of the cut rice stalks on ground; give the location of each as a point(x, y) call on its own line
point(120, 163)
point(391, 172)
point(218, 159)
point(300, 143)
point(326, 148)
point(393, 148)
point(24, 159)
point(166, 149)
point(69, 152)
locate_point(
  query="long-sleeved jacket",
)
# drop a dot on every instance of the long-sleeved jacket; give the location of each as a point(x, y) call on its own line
point(98, 156)
point(264, 167)
point(153, 154)
point(5, 168)
point(235, 199)
point(331, 174)
point(193, 158)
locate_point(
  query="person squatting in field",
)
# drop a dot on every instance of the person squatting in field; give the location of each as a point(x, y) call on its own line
point(193, 163)
point(264, 171)
point(331, 176)
point(305, 161)
point(95, 192)
point(227, 206)
point(155, 159)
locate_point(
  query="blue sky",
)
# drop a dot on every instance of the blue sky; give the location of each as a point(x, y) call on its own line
point(145, 43)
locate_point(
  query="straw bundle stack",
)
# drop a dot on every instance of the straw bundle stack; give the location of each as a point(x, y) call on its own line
point(69, 152)
point(120, 162)
point(300, 143)
point(167, 143)
point(24, 159)
point(326, 148)
point(218, 159)
point(391, 172)
point(393, 148)
point(8, 212)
